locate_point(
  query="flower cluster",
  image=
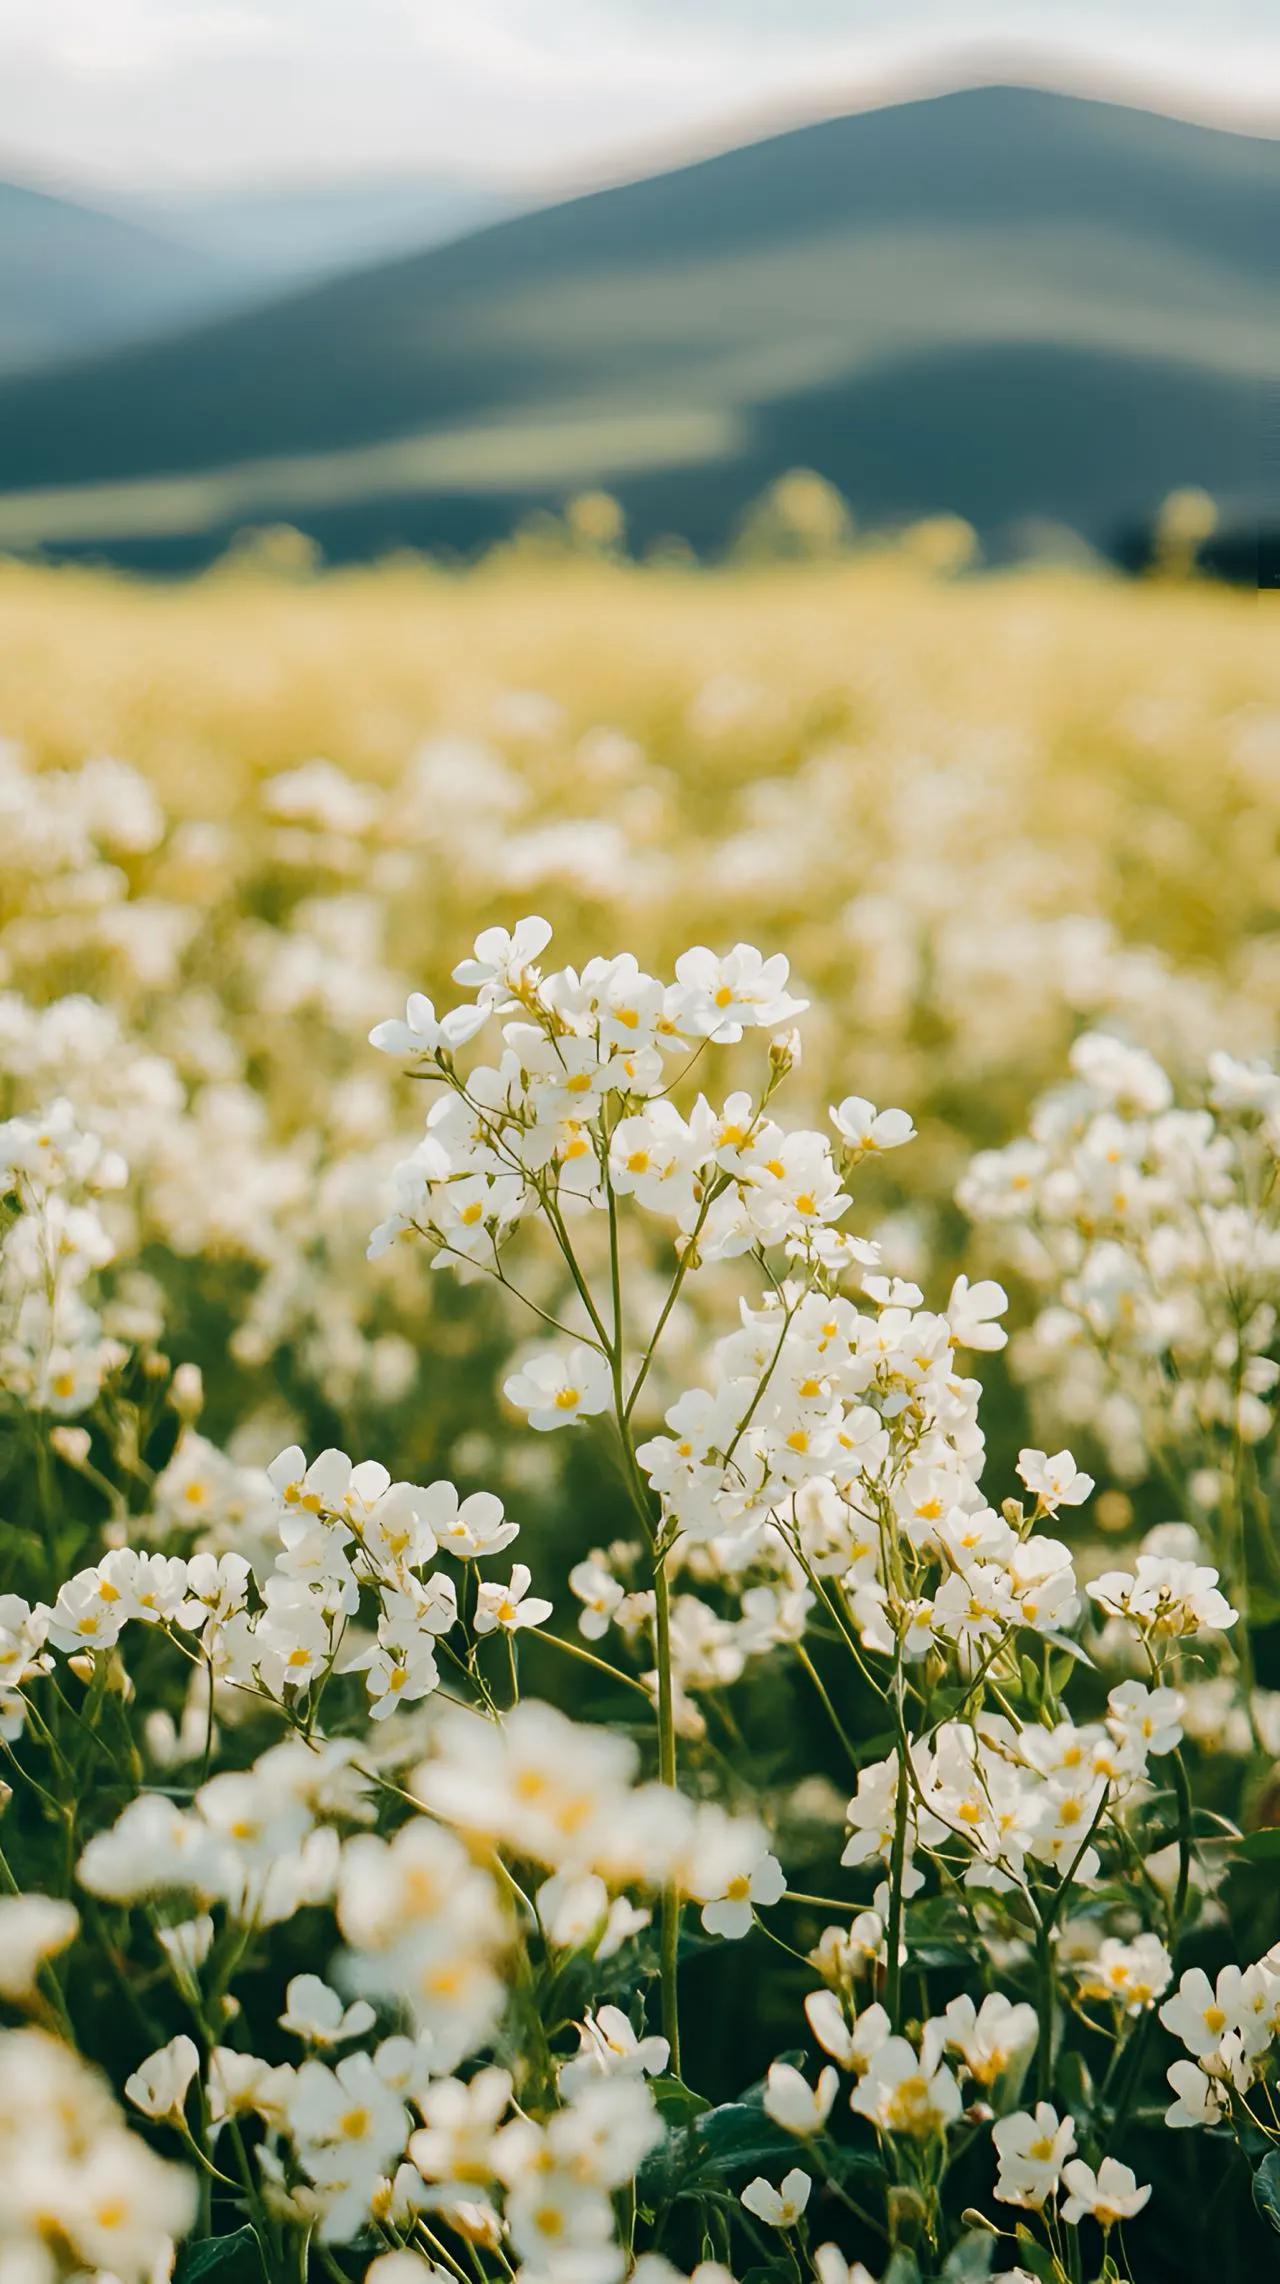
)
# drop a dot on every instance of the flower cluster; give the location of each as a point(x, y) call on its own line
point(343, 1534)
point(53, 1355)
point(1152, 1231)
point(1228, 2028)
point(80, 2195)
point(410, 1951)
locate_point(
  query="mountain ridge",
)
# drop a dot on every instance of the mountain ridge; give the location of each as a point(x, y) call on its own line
point(739, 284)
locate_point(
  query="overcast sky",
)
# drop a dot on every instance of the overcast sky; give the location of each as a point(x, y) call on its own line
point(141, 93)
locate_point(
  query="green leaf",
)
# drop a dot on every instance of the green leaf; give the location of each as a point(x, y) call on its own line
point(1037, 2258)
point(734, 2139)
point(676, 2103)
point(903, 2268)
point(970, 2260)
point(941, 1955)
point(1266, 2188)
point(1261, 1847)
point(1264, 1604)
point(739, 2135)
point(1069, 1648)
point(221, 2259)
point(1076, 2084)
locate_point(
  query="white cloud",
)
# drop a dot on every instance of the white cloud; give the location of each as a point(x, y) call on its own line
point(145, 90)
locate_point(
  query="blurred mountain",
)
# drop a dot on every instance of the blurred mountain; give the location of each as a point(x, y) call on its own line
point(74, 278)
point(288, 233)
point(79, 278)
point(1018, 306)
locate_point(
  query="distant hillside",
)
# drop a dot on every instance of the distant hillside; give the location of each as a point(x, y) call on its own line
point(289, 233)
point(1017, 305)
point(74, 278)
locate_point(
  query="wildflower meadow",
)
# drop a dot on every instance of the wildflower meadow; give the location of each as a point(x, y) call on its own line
point(639, 1264)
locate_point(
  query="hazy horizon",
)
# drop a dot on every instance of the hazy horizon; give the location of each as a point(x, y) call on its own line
point(197, 97)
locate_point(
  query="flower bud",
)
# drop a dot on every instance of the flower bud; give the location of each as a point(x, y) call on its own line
point(186, 1393)
point(71, 1444)
point(908, 2216)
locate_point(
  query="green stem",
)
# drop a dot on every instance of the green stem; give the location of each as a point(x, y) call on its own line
point(897, 1869)
point(588, 1657)
point(1182, 1791)
point(670, 1938)
point(820, 1686)
point(1045, 2008)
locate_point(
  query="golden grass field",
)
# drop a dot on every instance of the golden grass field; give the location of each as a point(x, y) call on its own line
point(800, 741)
point(977, 812)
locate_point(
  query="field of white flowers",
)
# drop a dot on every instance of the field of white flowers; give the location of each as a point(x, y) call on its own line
point(639, 1265)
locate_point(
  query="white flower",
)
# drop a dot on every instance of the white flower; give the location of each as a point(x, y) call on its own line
point(188, 1943)
point(974, 1606)
point(344, 2115)
point(454, 2148)
point(1200, 2011)
point(1057, 1481)
point(33, 1928)
point(421, 1034)
point(152, 1847)
point(1111, 2194)
point(600, 1595)
point(731, 1912)
point(1237, 1085)
point(826, 2018)
point(316, 2014)
point(971, 1312)
point(546, 1786)
point(608, 2047)
point(989, 2037)
point(1130, 1975)
point(1032, 2148)
point(560, 1385)
point(1126, 1077)
point(404, 2268)
point(243, 2085)
point(832, 2268)
point(401, 1666)
point(159, 2086)
point(720, 998)
point(1200, 2100)
point(781, 2207)
point(863, 1128)
point(466, 1527)
point(511, 1606)
point(1149, 1719)
point(905, 2092)
point(793, 2103)
point(128, 2206)
point(217, 1586)
point(503, 962)
point(1165, 1597)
